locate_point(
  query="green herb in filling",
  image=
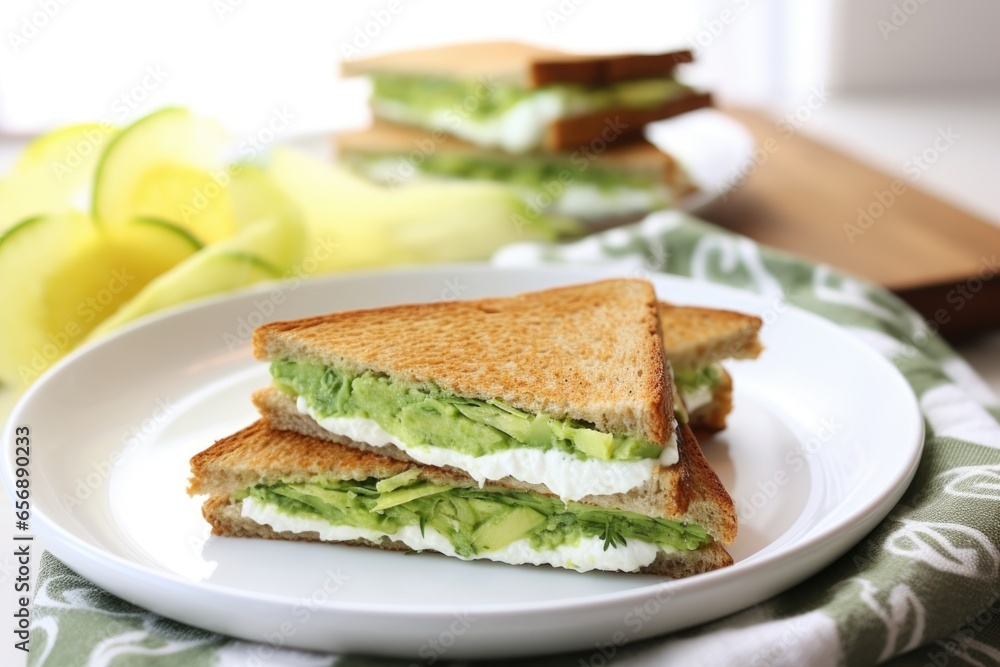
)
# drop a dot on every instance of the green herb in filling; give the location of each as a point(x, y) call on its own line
point(528, 173)
point(473, 520)
point(706, 377)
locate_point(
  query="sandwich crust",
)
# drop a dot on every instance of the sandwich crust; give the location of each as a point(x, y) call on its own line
point(694, 337)
point(624, 124)
point(590, 352)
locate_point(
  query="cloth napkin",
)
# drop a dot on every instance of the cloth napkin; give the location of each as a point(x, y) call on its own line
point(923, 588)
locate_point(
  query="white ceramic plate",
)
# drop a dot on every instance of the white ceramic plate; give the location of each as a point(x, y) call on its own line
point(824, 439)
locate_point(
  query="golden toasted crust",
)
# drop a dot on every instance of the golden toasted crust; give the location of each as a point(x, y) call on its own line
point(694, 337)
point(590, 352)
point(226, 520)
point(688, 563)
point(390, 140)
point(711, 417)
point(708, 503)
point(604, 70)
point(259, 455)
point(688, 492)
point(522, 64)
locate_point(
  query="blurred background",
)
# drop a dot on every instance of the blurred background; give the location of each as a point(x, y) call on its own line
point(889, 68)
point(847, 96)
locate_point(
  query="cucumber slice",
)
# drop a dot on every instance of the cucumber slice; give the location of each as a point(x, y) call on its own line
point(337, 209)
point(30, 253)
point(87, 273)
point(421, 222)
point(188, 197)
point(175, 233)
point(256, 196)
point(53, 173)
point(167, 165)
point(112, 267)
point(263, 251)
point(208, 273)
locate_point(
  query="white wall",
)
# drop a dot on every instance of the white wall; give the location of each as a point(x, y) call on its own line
point(916, 45)
point(238, 58)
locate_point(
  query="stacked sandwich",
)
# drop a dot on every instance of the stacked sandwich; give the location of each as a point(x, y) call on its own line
point(541, 428)
point(565, 130)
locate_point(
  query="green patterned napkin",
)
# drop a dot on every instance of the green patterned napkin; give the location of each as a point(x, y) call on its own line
point(922, 589)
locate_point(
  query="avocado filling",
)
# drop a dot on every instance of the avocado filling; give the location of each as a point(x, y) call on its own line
point(531, 173)
point(583, 192)
point(697, 385)
point(474, 521)
point(492, 98)
point(467, 107)
point(425, 416)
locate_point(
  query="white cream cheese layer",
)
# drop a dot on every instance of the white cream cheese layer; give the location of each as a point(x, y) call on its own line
point(587, 554)
point(585, 201)
point(696, 398)
point(565, 475)
point(588, 201)
point(517, 130)
point(578, 200)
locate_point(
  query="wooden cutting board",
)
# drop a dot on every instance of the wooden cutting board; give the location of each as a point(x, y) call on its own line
point(805, 198)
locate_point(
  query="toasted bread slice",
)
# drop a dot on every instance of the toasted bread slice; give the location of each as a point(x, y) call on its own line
point(591, 131)
point(390, 140)
point(590, 352)
point(520, 64)
point(694, 337)
point(261, 455)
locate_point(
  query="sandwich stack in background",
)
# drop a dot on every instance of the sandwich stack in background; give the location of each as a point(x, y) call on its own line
point(539, 428)
point(696, 340)
point(563, 129)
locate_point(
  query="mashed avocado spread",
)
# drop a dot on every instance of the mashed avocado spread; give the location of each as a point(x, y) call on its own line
point(426, 416)
point(707, 377)
point(473, 520)
point(533, 174)
point(428, 93)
